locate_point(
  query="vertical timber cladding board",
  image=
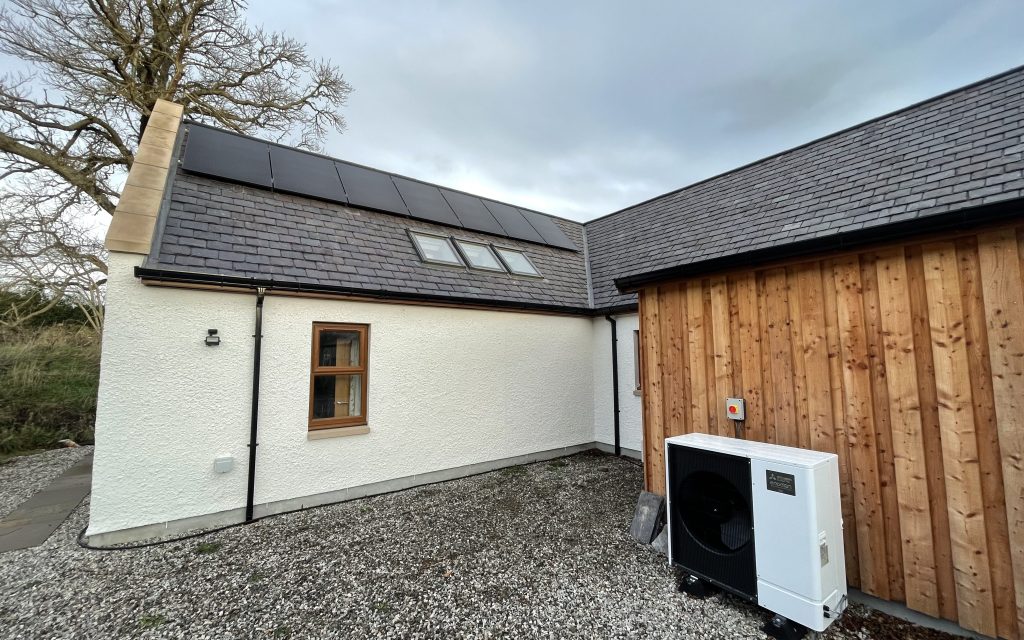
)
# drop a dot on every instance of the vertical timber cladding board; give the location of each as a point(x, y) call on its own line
point(750, 354)
point(975, 606)
point(910, 364)
point(842, 445)
point(652, 395)
point(908, 442)
point(783, 429)
point(767, 392)
point(673, 373)
point(931, 432)
point(696, 345)
point(871, 540)
point(722, 350)
point(714, 419)
point(976, 339)
point(883, 429)
point(801, 409)
point(1000, 254)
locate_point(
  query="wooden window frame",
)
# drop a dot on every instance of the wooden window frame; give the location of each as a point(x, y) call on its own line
point(363, 330)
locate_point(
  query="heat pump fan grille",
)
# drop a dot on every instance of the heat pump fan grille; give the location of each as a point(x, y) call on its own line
point(712, 532)
point(715, 513)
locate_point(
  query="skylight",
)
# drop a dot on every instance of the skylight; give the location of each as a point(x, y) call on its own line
point(436, 249)
point(517, 262)
point(479, 256)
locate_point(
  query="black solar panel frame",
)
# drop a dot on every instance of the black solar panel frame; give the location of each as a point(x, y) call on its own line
point(382, 195)
point(472, 213)
point(548, 229)
point(306, 174)
point(227, 156)
point(425, 202)
point(513, 222)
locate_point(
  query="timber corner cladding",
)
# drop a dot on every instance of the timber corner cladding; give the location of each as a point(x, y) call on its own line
point(833, 316)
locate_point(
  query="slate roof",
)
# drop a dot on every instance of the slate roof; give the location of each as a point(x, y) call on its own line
point(953, 153)
point(959, 150)
point(215, 227)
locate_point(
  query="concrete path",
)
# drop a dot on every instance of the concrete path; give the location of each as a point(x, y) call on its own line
point(32, 523)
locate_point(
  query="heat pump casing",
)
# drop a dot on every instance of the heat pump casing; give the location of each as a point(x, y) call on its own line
point(799, 556)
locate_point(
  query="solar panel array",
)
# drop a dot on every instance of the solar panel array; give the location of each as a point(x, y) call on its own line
point(228, 156)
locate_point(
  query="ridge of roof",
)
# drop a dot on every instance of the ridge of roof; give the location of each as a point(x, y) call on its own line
point(809, 143)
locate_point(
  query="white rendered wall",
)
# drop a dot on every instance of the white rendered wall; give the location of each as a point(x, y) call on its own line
point(447, 387)
point(630, 415)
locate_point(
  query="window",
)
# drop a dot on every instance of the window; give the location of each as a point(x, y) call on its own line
point(479, 256)
point(636, 360)
point(437, 249)
point(337, 386)
point(517, 262)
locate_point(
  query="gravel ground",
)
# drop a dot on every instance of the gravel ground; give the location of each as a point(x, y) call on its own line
point(540, 551)
point(22, 476)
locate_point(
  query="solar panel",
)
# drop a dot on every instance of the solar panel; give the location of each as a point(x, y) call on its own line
point(226, 155)
point(305, 174)
point(548, 229)
point(513, 222)
point(472, 213)
point(425, 202)
point(368, 188)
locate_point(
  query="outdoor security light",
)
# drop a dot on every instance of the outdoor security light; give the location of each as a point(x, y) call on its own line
point(212, 339)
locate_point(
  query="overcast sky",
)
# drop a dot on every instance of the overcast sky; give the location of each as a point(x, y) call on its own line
point(581, 109)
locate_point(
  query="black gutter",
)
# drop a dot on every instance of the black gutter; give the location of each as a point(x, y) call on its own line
point(960, 220)
point(239, 282)
point(255, 413)
point(615, 382)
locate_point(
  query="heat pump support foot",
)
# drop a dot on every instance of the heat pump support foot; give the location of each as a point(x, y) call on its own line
point(784, 629)
point(694, 587)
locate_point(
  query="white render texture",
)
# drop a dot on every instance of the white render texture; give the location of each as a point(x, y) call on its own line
point(630, 410)
point(448, 387)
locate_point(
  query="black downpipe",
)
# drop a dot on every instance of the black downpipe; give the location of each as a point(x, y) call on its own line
point(615, 381)
point(255, 415)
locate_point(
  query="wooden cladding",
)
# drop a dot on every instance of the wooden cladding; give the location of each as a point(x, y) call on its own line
point(906, 361)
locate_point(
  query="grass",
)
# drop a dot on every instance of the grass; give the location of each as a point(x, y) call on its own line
point(48, 382)
point(204, 548)
point(152, 620)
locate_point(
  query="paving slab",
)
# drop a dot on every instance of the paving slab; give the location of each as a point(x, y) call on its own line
point(32, 523)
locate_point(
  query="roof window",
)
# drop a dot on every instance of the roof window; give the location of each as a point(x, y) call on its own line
point(435, 249)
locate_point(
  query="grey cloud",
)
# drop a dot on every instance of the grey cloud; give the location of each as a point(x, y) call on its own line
point(582, 108)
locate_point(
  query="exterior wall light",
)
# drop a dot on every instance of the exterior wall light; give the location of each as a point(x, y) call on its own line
point(212, 339)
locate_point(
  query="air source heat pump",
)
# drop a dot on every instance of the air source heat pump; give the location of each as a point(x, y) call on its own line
point(760, 521)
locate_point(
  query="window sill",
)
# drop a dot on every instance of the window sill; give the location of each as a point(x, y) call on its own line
point(337, 432)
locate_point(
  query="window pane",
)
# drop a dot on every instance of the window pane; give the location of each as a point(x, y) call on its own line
point(436, 249)
point(339, 396)
point(338, 348)
point(479, 256)
point(518, 262)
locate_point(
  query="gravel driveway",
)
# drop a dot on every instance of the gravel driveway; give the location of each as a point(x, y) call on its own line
point(540, 551)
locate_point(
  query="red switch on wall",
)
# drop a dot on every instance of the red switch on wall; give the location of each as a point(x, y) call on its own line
point(734, 409)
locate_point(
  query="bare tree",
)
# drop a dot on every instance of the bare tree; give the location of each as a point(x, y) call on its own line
point(71, 121)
